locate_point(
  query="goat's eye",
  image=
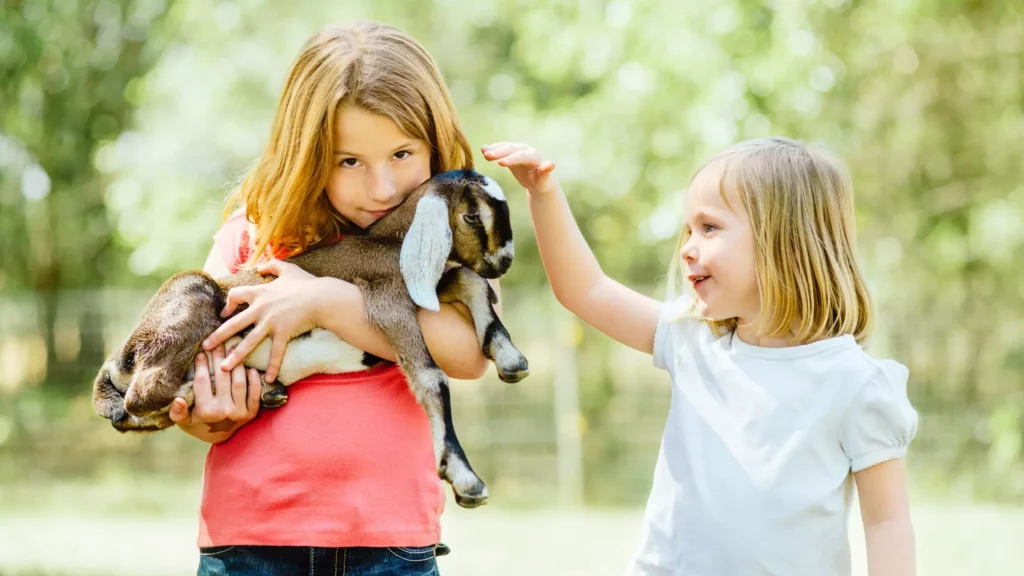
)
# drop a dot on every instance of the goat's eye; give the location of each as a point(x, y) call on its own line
point(471, 218)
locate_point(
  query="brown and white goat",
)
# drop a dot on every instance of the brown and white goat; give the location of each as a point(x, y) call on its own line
point(399, 263)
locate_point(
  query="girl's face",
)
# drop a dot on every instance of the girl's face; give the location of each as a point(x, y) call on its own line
point(376, 165)
point(718, 255)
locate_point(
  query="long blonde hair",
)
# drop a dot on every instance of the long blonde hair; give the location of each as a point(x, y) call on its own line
point(800, 203)
point(367, 65)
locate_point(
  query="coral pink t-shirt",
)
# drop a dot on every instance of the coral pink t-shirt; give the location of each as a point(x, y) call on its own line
point(346, 462)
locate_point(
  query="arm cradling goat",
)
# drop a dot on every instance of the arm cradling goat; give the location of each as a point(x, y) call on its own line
point(399, 263)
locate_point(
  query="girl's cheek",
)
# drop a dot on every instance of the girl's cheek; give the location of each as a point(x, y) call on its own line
point(413, 177)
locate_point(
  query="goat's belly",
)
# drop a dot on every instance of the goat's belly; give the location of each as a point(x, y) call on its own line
point(319, 351)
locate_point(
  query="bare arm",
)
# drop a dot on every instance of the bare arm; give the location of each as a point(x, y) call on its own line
point(296, 302)
point(888, 531)
point(449, 333)
point(576, 277)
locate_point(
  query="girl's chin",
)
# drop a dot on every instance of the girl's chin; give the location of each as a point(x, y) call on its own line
point(708, 312)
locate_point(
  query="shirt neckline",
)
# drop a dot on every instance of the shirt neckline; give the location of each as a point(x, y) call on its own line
point(788, 352)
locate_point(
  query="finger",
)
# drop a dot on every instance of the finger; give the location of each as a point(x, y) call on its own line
point(201, 382)
point(277, 350)
point(492, 146)
point(221, 378)
point(529, 158)
point(229, 329)
point(255, 389)
point(504, 149)
point(247, 345)
point(239, 386)
point(236, 296)
point(272, 266)
point(179, 413)
point(546, 167)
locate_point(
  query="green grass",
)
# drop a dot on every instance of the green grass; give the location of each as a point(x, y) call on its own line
point(149, 528)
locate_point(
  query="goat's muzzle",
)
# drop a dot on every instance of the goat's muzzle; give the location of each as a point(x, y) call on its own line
point(490, 269)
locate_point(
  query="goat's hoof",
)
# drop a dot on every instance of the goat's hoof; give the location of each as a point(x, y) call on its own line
point(274, 398)
point(514, 373)
point(472, 499)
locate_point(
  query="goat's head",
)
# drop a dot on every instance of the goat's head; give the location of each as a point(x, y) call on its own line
point(461, 216)
point(117, 386)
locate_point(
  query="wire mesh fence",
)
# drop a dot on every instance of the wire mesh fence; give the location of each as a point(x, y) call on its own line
point(584, 428)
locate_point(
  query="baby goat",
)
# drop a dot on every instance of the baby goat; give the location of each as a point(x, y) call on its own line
point(399, 263)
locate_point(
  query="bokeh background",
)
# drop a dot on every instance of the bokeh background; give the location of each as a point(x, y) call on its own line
point(122, 124)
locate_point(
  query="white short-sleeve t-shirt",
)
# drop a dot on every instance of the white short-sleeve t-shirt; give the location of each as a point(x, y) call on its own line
point(754, 472)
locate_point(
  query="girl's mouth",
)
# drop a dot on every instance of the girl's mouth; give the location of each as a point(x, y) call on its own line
point(698, 280)
point(379, 214)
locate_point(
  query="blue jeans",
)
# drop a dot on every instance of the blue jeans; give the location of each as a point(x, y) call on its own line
point(305, 561)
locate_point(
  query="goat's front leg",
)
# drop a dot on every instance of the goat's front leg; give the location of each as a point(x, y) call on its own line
point(463, 285)
point(390, 310)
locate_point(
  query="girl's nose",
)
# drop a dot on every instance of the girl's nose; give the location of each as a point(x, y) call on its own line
point(383, 189)
point(689, 251)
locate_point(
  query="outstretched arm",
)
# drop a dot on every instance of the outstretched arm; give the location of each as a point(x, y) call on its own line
point(576, 277)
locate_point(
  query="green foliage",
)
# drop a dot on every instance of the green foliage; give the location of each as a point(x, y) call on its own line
point(68, 84)
point(140, 118)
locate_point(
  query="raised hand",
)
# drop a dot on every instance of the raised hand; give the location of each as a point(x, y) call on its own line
point(529, 169)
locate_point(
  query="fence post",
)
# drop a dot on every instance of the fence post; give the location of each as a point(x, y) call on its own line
point(567, 410)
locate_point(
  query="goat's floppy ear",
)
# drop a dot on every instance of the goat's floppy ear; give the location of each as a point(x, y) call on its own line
point(425, 251)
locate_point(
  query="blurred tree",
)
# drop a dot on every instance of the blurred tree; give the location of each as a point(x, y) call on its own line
point(921, 98)
point(70, 78)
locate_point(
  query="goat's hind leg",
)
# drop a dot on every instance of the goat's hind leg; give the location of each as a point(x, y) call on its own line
point(463, 285)
point(390, 310)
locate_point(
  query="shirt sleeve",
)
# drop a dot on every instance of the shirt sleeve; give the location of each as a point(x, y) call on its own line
point(880, 423)
point(667, 335)
point(233, 241)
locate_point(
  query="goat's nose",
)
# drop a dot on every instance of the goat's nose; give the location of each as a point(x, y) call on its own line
point(486, 270)
point(119, 419)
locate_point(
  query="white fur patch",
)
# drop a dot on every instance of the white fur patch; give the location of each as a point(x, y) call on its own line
point(426, 388)
point(425, 251)
point(322, 352)
point(116, 378)
point(506, 355)
point(509, 250)
point(463, 479)
point(481, 312)
point(492, 189)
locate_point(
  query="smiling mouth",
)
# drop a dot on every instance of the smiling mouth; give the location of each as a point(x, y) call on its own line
point(698, 280)
point(380, 213)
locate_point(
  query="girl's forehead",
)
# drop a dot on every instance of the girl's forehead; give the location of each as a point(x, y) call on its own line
point(706, 189)
point(359, 131)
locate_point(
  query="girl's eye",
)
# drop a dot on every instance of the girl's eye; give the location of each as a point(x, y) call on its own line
point(349, 163)
point(402, 154)
point(471, 218)
point(710, 228)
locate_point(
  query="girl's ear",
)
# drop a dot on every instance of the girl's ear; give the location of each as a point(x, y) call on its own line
point(425, 251)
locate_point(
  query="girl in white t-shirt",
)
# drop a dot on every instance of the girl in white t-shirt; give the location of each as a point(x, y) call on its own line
point(776, 410)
